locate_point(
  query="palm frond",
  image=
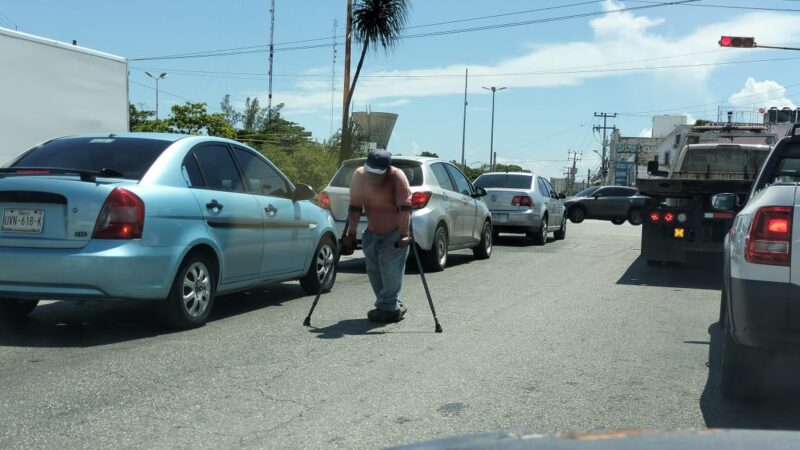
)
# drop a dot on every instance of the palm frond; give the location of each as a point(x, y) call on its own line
point(378, 23)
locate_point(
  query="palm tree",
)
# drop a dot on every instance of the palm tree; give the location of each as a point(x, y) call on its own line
point(376, 23)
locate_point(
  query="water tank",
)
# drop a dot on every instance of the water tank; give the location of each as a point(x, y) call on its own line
point(772, 115)
point(785, 115)
point(377, 126)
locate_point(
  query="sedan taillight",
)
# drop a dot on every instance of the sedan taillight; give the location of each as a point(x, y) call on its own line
point(521, 200)
point(122, 216)
point(769, 240)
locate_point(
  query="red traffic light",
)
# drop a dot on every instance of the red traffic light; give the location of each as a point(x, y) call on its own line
point(737, 41)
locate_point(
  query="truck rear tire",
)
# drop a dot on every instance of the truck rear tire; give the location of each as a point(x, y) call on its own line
point(618, 221)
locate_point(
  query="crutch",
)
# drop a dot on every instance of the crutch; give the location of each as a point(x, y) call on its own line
point(413, 245)
point(325, 279)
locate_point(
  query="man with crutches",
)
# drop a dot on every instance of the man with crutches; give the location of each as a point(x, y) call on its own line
point(383, 192)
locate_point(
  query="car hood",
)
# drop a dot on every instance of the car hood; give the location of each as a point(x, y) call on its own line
point(711, 439)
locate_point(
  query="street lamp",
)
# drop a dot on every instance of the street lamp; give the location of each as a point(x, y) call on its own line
point(159, 77)
point(491, 142)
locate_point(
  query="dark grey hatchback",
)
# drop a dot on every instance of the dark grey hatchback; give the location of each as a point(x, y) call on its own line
point(614, 203)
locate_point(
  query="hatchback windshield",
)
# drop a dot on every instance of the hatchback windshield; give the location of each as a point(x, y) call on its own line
point(412, 170)
point(508, 181)
point(130, 157)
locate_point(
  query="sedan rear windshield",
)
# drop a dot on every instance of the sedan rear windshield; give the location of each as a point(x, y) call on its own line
point(123, 157)
point(412, 170)
point(508, 181)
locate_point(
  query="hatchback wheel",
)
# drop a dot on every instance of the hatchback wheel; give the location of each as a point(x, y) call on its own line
point(636, 216)
point(322, 271)
point(16, 309)
point(577, 214)
point(192, 294)
point(435, 259)
point(484, 248)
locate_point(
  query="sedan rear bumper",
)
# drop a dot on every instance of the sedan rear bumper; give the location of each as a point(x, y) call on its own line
point(515, 221)
point(101, 270)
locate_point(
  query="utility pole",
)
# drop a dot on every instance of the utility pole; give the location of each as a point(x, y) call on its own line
point(604, 162)
point(333, 76)
point(588, 177)
point(572, 171)
point(345, 151)
point(271, 54)
point(491, 141)
point(464, 126)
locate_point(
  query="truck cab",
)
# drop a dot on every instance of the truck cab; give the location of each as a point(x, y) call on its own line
point(679, 217)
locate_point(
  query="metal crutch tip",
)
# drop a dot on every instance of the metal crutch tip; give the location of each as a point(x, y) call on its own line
point(307, 322)
point(438, 328)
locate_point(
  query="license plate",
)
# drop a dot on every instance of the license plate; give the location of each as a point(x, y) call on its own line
point(23, 220)
point(500, 218)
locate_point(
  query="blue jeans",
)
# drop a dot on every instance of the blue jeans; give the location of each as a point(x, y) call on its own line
point(386, 266)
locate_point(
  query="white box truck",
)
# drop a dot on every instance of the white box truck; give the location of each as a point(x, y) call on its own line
point(50, 89)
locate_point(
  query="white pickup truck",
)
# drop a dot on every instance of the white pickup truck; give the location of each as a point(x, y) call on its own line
point(760, 306)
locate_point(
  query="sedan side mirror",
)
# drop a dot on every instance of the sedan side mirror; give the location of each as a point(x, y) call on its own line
point(303, 192)
point(480, 192)
point(562, 195)
point(726, 202)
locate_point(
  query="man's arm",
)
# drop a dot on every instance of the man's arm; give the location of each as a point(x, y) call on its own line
point(356, 203)
point(402, 198)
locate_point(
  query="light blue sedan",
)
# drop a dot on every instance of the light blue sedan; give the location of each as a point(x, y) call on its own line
point(172, 218)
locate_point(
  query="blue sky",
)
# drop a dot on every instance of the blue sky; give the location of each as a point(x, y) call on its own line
point(557, 74)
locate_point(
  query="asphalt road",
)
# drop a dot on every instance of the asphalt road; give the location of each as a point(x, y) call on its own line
point(576, 335)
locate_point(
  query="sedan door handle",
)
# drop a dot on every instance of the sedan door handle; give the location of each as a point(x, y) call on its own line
point(271, 210)
point(214, 205)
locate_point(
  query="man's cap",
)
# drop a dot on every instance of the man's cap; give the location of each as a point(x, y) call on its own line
point(378, 161)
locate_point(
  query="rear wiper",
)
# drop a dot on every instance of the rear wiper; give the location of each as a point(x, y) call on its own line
point(110, 173)
point(86, 175)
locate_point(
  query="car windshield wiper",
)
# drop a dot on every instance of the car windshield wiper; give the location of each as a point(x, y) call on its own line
point(86, 175)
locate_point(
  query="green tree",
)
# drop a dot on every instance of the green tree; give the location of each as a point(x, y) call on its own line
point(231, 116)
point(193, 118)
point(358, 141)
point(376, 23)
point(428, 154)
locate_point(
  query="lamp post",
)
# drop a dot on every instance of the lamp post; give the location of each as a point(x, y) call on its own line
point(491, 141)
point(159, 77)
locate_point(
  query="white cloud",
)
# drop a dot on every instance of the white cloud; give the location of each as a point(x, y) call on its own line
point(620, 41)
point(690, 119)
point(646, 132)
point(392, 104)
point(415, 148)
point(765, 93)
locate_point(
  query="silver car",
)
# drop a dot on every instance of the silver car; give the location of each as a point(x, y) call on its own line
point(449, 213)
point(523, 202)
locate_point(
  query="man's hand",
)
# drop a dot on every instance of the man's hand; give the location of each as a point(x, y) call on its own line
point(402, 242)
point(348, 245)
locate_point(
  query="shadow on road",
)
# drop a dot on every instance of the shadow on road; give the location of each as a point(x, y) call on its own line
point(780, 412)
point(517, 240)
point(698, 273)
point(349, 327)
point(358, 265)
point(89, 324)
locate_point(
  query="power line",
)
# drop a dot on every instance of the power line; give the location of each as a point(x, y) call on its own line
point(261, 49)
point(493, 16)
point(172, 95)
point(542, 72)
point(707, 5)
point(8, 21)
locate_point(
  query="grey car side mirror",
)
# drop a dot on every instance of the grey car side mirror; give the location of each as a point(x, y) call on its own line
point(562, 195)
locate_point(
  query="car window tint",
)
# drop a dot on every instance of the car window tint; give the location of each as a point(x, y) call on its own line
point(550, 188)
point(130, 156)
point(260, 177)
point(218, 169)
point(504, 180)
point(440, 172)
point(601, 193)
point(542, 187)
point(191, 172)
point(617, 192)
point(462, 184)
point(411, 169)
